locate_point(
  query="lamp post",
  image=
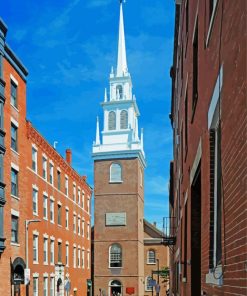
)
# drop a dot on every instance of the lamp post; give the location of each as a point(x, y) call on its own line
point(158, 263)
point(27, 222)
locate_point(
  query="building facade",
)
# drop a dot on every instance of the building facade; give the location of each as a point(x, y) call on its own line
point(44, 206)
point(208, 173)
point(119, 163)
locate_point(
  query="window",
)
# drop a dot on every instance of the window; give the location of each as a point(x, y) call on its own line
point(51, 173)
point(14, 229)
point(186, 122)
point(59, 252)
point(58, 180)
point(35, 202)
point(74, 193)
point(52, 286)
point(195, 69)
point(45, 250)
point(82, 258)
point(67, 219)
point(88, 231)
point(74, 257)
point(88, 205)
point(35, 249)
point(112, 120)
point(52, 252)
point(35, 286)
point(59, 214)
point(123, 119)
point(74, 223)
point(151, 258)
point(115, 259)
point(79, 197)
point(79, 257)
point(119, 92)
point(67, 255)
point(82, 199)
point(44, 168)
point(212, 7)
point(14, 182)
point(187, 17)
point(83, 228)
point(66, 186)
point(148, 285)
point(115, 173)
point(79, 226)
point(13, 98)
point(52, 210)
point(34, 159)
point(45, 202)
point(88, 259)
point(45, 286)
point(14, 137)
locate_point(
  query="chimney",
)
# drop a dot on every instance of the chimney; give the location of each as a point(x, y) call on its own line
point(69, 156)
point(154, 224)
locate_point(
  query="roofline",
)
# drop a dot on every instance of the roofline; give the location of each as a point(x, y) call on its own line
point(153, 227)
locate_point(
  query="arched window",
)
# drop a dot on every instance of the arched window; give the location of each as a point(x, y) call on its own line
point(115, 173)
point(148, 286)
point(115, 287)
point(119, 92)
point(112, 120)
point(115, 256)
point(123, 119)
point(151, 257)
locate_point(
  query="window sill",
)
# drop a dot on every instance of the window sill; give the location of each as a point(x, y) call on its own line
point(36, 262)
point(59, 225)
point(46, 219)
point(15, 244)
point(52, 221)
point(45, 263)
point(115, 267)
point(149, 263)
point(15, 108)
point(215, 276)
point(14, 151)
point(35, 214)
point(115, 182)
point(15, 197)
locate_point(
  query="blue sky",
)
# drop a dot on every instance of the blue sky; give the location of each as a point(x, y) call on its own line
point(69, 47)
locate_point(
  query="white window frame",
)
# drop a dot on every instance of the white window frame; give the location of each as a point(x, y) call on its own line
point(66, 186)
point(45, 246)
point(52, 210)
point(36, 281)
point(51, 173)
point(78, 257)
point(45, 286)
point(79, 225)
point(88, 259)
point(74, 223)
point(74, 256)
point(52, 252)
point(35, 193)
point(110, 256)
point(151, 259)
point(74, 192)
point(67, 255)
point(67, 218)
point(44, 167)
point(116, 178)
point(79, 196)
point(45, 207)
point(83, 228)
point(148, 288)
point(36, 248)
point(52, 285)
point(88, 231)
point(34, 158)
point(83, 259)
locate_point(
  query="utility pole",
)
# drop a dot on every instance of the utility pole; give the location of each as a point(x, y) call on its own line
point(158, 263)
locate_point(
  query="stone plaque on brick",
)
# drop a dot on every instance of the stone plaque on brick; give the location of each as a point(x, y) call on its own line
point(115, 219)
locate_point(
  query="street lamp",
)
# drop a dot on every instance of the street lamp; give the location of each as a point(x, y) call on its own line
point(27, 222)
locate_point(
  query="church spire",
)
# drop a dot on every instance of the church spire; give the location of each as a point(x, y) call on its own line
point(122, 60)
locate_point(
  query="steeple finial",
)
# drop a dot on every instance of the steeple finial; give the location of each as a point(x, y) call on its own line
point(105, 97)
point(122, 60)
point(97, 132)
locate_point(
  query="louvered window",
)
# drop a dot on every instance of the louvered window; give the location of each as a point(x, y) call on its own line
point(115, 256)
point(119, 91)
point(112, 120)
point(124, 119)
point(115, 173)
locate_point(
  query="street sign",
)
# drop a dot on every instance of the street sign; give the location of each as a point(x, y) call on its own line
point(152, 283)
point(67, 286)
point(26, 276)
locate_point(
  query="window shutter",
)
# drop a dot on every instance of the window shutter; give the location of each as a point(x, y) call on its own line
point(112, 120)
point(124, 119)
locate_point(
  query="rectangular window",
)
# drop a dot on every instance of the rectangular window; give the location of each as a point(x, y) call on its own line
point(67, 255)
point(34, 159)
point(35, 248)
point(45, 250)
point(66, 186)
point(74, 193)
point(59, 254)
point(1, 115)
point(59, 215)
point(44, 168)
point(52, 252)
point(74, 223)
point(88, 205)
point(195, 69)
point(35, 286)
point(88, 231)
point(83, 228)
point(67, 219)
point(58, 180)
point(82, 199)
point(52, 210)
point(52, 286)
point(14, 137)
point(74, 257)
point(35, 202)
point(14, 182)
point(45, 286)
point(14, 229)
point(79, 258)
point(45, 202)
point(82, 258)
point(51, 173)
point(88, 260)
point(79, 197)
point(13, 98)
point(79, 226)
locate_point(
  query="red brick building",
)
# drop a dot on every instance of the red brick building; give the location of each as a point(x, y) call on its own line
point(38, 184)
point(208, 175)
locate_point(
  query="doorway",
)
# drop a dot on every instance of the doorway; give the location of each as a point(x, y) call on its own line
point(196, 233)
point(115, 288)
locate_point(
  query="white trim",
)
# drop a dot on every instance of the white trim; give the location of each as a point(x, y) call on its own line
point(52, 198)
point(15, 122)
point(51, 162)
point(196, 161)
point(13, 79)
point(45, 235)
point(35, 147)
point(59, 203)
point(44, 155)
point(195, 23)
point(45, 275)
point(211, 22)
point(34, 186)
point(74, 245)
point(45, 193)
point(58, 169)
point(52, 275)
point(35, 275)
point(59, 240)
point(52, 238)
point(67, 243)
point(35, 232)
point(15, 213)
point(15, 167)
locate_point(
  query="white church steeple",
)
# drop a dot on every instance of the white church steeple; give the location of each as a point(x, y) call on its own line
point(120, 134)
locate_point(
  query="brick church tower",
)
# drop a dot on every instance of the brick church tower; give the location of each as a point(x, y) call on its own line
point(119, 163)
